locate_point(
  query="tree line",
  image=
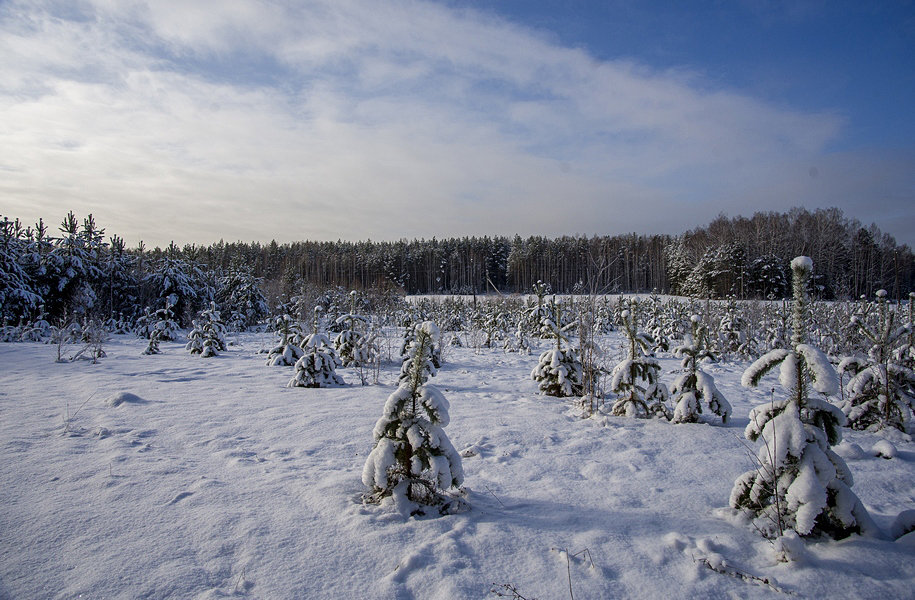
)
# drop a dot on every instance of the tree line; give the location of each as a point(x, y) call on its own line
point(746, 257)
point(77, 270)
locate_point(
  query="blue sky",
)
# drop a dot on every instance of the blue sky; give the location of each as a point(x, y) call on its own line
point(355, 119)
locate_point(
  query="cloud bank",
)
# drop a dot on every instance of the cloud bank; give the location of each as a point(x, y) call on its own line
point(349, 119)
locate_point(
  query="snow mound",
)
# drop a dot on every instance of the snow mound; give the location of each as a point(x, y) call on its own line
point(904, 525)
point(884, 449)
point(123, 398)
point(850, 451)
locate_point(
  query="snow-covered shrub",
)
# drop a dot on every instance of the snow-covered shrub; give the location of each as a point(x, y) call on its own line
point(208, 335)
point(635, 379)
point(695, 385)
point(318, 366)
point(880, 389)
point(655, 323)
point(559, 371)
point(289, 349)
point(412, 458)
point(799, 482)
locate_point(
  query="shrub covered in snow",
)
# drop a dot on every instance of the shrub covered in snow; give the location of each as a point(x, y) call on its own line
point(695, 385)
point(153, 346)
point(799, 482)
point(412, 458)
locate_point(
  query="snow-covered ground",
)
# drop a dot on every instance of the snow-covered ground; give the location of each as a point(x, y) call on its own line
point(177, 476)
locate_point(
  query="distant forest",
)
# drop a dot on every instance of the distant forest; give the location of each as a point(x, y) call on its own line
point(79, 270)
point(746, 257)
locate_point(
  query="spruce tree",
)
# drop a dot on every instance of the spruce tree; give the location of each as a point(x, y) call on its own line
point(799, 482)
point(412, 458)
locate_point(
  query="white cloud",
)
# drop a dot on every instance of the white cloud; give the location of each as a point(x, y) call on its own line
point(404, 119)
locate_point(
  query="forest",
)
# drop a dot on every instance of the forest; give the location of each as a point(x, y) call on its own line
point(77, 270)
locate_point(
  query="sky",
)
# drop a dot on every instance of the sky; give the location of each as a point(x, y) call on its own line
point(359, 119)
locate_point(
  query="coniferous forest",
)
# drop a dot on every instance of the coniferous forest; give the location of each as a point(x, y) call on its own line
point(78, 268)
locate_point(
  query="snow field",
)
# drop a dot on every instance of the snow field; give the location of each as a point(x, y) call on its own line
point(184, 477)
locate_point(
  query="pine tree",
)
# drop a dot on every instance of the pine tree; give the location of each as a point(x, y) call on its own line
point(241, 298)
point(153, 346)
point(412, 458)
point(636, 378)
point(905, 353)
point(409, 342)
point(17, 294)
point(880, 389)
point(318, 366)
point(352, 345)
point(800, 483)
point(732, 337)
point(208, 336)
point(559, 370)
point(289, 349)
point(695, 385)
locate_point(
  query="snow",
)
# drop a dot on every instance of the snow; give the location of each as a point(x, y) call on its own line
point(884, 449)
point(212, 479)
point(802, 263)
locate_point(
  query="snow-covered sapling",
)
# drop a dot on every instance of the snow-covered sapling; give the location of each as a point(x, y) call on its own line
point(208, 335)
point(162, 320)
point(412, 458)
point(695, 385)
point(880, 389)
point(635, 379)
point(350, 343)
point(799, 482)
point(153, 346)
point(408, 348)
point(289, 349)
point(318, 366)
point(559, 371)
point(420, 356)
